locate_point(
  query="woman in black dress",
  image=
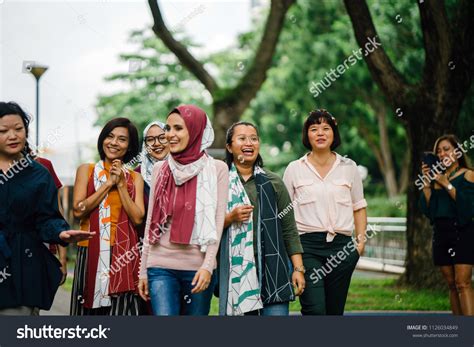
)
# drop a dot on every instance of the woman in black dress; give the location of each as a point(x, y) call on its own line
point(448, 201)
point(29, 216)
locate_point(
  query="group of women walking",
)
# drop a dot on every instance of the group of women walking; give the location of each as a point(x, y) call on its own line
point(165, 237)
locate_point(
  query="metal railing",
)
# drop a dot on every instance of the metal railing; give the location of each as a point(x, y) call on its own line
point(386, 240)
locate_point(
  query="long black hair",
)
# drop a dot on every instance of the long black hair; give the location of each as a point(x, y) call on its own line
point(229, 157)
point(454, 141)
point(12, 108)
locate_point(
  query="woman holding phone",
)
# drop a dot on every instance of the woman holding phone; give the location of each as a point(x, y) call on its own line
point(448, 202)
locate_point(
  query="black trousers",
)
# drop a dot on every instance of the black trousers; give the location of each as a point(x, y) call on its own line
point(329, 267)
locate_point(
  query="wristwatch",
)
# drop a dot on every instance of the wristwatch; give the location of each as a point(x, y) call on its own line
point(449, 187)
point(301, 269)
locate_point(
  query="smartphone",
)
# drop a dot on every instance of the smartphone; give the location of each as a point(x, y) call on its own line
point(430, 159)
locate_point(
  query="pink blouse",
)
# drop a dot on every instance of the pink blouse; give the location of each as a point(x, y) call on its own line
point(325, 204)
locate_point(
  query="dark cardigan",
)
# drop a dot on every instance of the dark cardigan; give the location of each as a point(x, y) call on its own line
point(29, 215)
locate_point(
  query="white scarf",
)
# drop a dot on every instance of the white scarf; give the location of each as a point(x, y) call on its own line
point(204, 230)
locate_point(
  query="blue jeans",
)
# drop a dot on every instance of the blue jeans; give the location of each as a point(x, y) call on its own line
point(281, 309)
point(170, 293)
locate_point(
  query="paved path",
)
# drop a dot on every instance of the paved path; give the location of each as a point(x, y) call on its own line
point(61, 304)
point(373, 274)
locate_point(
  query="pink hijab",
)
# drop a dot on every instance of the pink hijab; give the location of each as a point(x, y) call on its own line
point(171, 200)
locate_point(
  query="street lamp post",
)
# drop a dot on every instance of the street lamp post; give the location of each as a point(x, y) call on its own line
point(37, 71)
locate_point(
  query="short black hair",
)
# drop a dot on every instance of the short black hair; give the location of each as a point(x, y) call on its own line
point(229, 157)
point(7, 108)
point(133, 141)
point(317, 117)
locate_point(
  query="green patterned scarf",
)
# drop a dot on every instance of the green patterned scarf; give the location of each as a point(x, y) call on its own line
point(244, 290)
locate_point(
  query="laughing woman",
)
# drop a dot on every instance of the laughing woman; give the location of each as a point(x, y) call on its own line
point(29, 216)
point(109, 199)
point(255, 276)
point(155, 148)
point(185, 218)
point(449, 204)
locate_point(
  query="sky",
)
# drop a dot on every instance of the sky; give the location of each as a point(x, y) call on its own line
point(80, 42)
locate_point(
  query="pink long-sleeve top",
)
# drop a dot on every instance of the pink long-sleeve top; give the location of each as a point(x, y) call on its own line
point(168, 255)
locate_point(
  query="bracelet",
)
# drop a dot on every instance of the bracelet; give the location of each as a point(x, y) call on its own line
point(301, 269)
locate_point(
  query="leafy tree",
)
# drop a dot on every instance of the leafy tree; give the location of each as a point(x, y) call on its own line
point(377, 132)
point(229, 102)
point(431, 99)
point(307, 52)
point(154, 83)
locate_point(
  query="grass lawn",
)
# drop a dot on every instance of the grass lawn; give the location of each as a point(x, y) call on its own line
point(384, 294)
point(380, 295)
point(373, 295)
point(68, 284)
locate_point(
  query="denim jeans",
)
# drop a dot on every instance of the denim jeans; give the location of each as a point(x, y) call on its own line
point(280, 309)
point(170, 293)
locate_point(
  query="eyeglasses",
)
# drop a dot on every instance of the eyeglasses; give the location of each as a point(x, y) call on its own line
point(243, 139)
point(151, 140)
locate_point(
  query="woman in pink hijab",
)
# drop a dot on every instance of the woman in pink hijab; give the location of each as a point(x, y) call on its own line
point(188, 200)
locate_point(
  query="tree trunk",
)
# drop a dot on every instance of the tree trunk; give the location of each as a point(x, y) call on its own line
point(229, 103)
point(430, 108)
point(404, 173)
point(381, 146)
point(224, 116)
point(389, 174)
point(420, 271)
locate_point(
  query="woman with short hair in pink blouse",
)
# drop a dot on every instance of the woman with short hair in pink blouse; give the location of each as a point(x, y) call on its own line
point(328, 200)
